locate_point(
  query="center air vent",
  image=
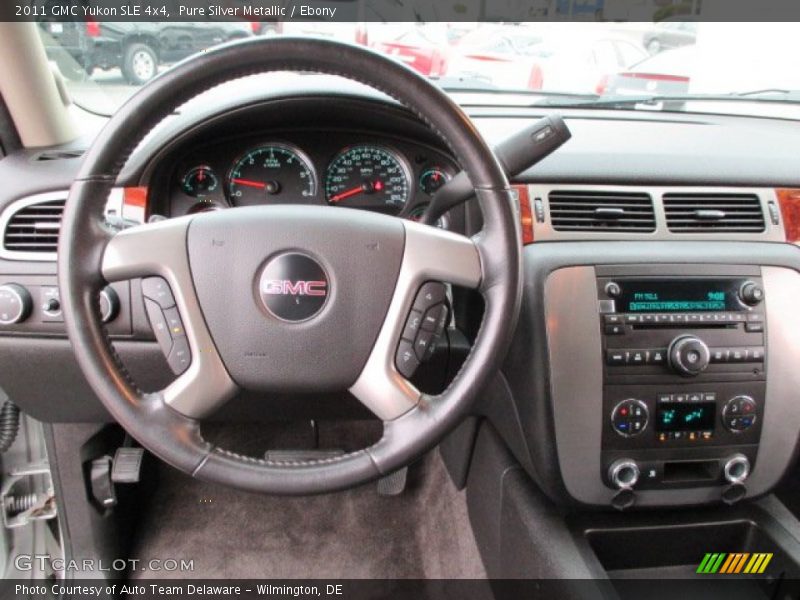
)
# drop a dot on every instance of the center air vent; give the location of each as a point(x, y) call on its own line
point(590, 210)
point(714, 213)
point(31, 227)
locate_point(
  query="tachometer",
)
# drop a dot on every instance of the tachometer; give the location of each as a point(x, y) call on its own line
point(275, 173)
point(369, 177)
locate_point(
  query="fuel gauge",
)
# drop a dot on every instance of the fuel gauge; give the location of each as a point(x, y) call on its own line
point(200, 181)
point(432, 179)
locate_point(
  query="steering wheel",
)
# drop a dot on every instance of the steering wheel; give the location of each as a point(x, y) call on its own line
point(237, 277)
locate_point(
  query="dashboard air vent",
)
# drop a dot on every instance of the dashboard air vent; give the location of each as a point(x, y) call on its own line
point(713, 213)
point(590, 210)
point(32, 227)
point(58, 155)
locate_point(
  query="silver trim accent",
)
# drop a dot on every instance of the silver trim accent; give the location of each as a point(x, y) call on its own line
point(544, 232)
point(430, 254)
point(160, 249)
point(113, 205)
point(616, 468)
point(573, 336)
point(736, 459)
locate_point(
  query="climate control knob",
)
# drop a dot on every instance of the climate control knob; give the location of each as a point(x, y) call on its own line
point(739, 414)
point(751, 293)
point(623, 473)
point(688, 355)
point(15, 304)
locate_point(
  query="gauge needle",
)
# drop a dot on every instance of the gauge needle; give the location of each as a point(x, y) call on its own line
point(365, 187)
point(250, 183)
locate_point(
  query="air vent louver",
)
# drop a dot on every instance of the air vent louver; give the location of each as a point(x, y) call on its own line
point(58, 155)
point(713, 213)
point(34, 227)
point(582, 210)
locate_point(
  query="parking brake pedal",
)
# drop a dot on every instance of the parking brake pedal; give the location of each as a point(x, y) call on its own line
point(393, 484)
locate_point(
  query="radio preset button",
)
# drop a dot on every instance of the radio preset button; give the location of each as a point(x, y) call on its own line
point(615, 357)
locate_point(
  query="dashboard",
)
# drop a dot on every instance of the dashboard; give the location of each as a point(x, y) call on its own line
point(361, 151)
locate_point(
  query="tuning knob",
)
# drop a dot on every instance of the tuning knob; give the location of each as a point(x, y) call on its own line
point(688, 355)
point(109, 304)
point(15, 303)
point(751, 293)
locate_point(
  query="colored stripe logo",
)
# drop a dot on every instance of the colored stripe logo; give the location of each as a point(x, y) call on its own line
point(734, 563)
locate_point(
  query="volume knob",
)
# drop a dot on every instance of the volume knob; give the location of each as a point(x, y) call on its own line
point(15, 304)
point(751, 293)
point(688, 355)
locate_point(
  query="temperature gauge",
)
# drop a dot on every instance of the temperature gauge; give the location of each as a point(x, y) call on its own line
point(432, 179)
point(199, 182)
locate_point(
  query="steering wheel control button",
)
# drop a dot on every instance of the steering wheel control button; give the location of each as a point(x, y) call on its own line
point(435, 319)
point(406, 359)
point(159, 324)
point(174, 323)
point(180, 357)
point(629, 417)
point(413, 323)
point(158, 290)
point(424, 345)
point(429, 295)
point(739, 414)
point(15, 304)
point(293, 287)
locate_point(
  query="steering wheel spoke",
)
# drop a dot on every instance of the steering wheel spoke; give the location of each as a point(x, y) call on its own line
point(159, 249)
point(430, 255)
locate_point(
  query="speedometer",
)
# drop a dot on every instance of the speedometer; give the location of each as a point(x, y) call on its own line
point(369, 177)
point(275, 173)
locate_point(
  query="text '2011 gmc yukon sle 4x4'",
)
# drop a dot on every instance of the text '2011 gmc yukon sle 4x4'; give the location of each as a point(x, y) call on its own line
point(317, 316)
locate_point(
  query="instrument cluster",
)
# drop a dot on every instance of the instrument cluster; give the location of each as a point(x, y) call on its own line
point(393, 176)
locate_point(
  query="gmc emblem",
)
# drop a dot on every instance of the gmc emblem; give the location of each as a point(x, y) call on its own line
point(285, 287)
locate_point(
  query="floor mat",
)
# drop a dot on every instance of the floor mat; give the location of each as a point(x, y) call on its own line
point(422, 533)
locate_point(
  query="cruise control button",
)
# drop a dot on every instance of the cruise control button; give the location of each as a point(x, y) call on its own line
point(429, 294)
point(174, 322)
point(413, 323)
point(406, 360)
point(180, 357)
point(157, 289)
point(159, 324)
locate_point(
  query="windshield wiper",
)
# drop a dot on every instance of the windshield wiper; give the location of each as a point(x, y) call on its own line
point(767, 96)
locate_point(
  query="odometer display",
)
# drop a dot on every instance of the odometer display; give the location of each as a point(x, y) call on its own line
point(272, 174)
point(368, 177)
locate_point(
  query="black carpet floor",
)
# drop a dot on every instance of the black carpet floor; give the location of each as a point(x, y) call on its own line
point(422, 533)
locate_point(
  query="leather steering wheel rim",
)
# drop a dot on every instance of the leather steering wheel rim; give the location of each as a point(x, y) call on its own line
point(89, 254)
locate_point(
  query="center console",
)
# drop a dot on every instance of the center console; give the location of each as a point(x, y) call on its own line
point(670, 383)
point(684, 376)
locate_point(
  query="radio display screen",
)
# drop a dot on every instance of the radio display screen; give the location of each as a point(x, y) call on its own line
point(659, 296)
point(685, 416)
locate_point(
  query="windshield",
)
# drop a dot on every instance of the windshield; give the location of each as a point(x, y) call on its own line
point(103, 63)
